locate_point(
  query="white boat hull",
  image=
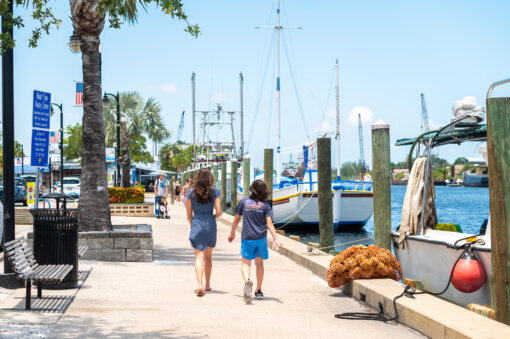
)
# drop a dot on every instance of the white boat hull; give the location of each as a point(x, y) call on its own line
point(429, 259)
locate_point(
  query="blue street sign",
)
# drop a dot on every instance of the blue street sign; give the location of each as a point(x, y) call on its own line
point(41, 110)
point(40, 143)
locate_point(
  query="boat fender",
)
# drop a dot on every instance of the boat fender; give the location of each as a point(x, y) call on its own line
point(469, 274)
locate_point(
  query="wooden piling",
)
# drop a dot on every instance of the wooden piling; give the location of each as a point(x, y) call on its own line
point(223, 187)
point(498, 151)
point(382, 184)
point(215, 175)
point(326, 231)
point(246, 175)
point(268, 170)
point(233, 186)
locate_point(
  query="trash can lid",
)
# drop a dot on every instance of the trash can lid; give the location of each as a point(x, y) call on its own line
point(56, 195)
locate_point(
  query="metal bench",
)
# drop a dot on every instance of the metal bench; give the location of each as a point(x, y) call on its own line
point(26, 268)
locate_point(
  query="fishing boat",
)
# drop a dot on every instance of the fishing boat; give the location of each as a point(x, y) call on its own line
point(295, 200)
point(429, 255)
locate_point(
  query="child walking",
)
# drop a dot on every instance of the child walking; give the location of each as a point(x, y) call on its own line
point(257, 219)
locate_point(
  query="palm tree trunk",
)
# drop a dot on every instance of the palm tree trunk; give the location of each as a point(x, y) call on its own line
point(126, 159)
point(94, 192)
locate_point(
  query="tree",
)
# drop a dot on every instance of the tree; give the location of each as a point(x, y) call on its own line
point(176, 157)
point(18, 149)
point(138, 150)
point(350, 170)
point(72, 144)
point(88, 19)
point(461, 161)
point(139, 118)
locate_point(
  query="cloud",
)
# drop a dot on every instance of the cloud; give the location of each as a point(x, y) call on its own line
point(326, 127)
point(169, 88)
point(366, 115)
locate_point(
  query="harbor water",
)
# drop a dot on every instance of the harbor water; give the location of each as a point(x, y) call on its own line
point(465, 206)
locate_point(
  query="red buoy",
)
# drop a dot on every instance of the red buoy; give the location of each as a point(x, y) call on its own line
point(469, 274)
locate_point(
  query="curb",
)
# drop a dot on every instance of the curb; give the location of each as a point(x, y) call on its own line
point(427, 314)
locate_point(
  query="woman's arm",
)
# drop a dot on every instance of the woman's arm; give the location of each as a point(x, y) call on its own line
point(217, 207)
point(270, 227)
point(235, 223)
point(189, 211)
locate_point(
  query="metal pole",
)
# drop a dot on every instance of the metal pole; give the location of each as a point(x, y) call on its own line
point(337, 123)
point(117, 97)
point(36, 200)
point(8, 136)
point(382, 184)
point(193, 109)
point(242, 115)
point(22, 160)
point(277, 93)
point(326, 231)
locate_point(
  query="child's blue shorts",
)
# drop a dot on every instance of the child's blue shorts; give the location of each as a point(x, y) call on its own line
point(251, 249)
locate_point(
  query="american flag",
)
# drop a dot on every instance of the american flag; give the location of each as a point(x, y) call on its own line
point(79, 93)
point(54, 137)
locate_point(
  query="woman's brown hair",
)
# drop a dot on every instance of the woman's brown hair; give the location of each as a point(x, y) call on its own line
point(259, 191)
point(203, 183)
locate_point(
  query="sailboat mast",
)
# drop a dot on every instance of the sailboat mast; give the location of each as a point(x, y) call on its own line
point(337, 123)
point(278, 140)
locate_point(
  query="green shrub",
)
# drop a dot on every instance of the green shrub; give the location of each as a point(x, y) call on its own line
point(132, 195)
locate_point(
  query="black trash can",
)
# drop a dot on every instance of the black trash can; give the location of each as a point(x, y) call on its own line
point(56, 238)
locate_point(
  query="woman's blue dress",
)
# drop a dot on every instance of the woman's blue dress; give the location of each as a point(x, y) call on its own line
point(203, 224)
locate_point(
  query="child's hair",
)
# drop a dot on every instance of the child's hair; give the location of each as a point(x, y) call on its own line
point(259, 191)
point(163, 198)
point(204, 185)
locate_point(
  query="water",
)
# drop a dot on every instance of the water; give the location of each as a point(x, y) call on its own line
point(465, 206)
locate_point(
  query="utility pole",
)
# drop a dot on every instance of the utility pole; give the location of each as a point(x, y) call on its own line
point(242, 115)
point(361, 152)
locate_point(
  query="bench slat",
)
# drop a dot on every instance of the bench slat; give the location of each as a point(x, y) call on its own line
point(21, 254)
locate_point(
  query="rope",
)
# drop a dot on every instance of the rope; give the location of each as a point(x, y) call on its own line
point(345, 243)
point(295, 213)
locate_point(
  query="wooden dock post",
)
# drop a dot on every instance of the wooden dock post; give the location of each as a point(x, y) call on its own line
point(326, 231)
point(215, 175)
point(223, 187)
point(246, 175)
point(498, 151)
point(268, 170)
point(233, 186)
point(381, 183)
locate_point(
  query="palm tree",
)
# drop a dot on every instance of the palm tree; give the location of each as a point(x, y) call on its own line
point(88, 20)
point(138, 118)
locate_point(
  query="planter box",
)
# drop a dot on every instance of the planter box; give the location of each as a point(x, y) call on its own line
point(125, 243)
point(132, 210)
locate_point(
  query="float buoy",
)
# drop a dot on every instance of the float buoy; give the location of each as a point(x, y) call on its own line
point(469, 274)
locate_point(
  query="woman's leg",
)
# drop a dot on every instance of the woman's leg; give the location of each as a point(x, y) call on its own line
point(208, 267)
point(245, 269)
point(199, 267)
point(259, 266)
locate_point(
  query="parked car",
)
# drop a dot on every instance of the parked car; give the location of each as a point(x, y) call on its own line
point(71, 186)
point(20, 190)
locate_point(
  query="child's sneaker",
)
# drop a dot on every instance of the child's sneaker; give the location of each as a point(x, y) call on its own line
point(259, 294)
point(247, 291)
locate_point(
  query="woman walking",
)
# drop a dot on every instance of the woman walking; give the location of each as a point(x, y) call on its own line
point(202, 199)
point(185, 189)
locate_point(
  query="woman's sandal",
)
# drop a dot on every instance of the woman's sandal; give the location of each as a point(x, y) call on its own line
point(200, 293)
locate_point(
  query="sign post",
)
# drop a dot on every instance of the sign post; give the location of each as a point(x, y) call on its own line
point(40, 135)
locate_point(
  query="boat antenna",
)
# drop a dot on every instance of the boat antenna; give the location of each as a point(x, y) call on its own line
point(361, 153)
point(278, 28)
point(337, 136)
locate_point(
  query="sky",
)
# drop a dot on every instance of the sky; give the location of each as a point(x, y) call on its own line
point(389, 52)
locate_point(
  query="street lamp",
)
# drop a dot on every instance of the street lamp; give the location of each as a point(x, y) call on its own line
point(106, 103)
point(61, 144)
point(75, 43)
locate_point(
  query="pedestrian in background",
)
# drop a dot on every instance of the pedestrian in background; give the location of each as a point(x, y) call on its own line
point(160, 188)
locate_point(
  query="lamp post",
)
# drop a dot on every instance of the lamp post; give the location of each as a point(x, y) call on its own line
point(106, 102)
point(61, 144)
point(22, 161)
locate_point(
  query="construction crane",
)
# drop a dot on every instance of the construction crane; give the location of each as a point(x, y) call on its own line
point(361, 153)
point(424, 116)
point(181, 127)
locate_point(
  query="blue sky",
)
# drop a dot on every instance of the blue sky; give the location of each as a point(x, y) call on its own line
point(389, 53)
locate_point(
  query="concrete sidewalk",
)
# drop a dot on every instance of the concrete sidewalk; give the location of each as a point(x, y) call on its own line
point(135, 300)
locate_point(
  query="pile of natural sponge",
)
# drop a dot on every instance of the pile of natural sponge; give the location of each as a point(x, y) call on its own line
point(362, 262)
